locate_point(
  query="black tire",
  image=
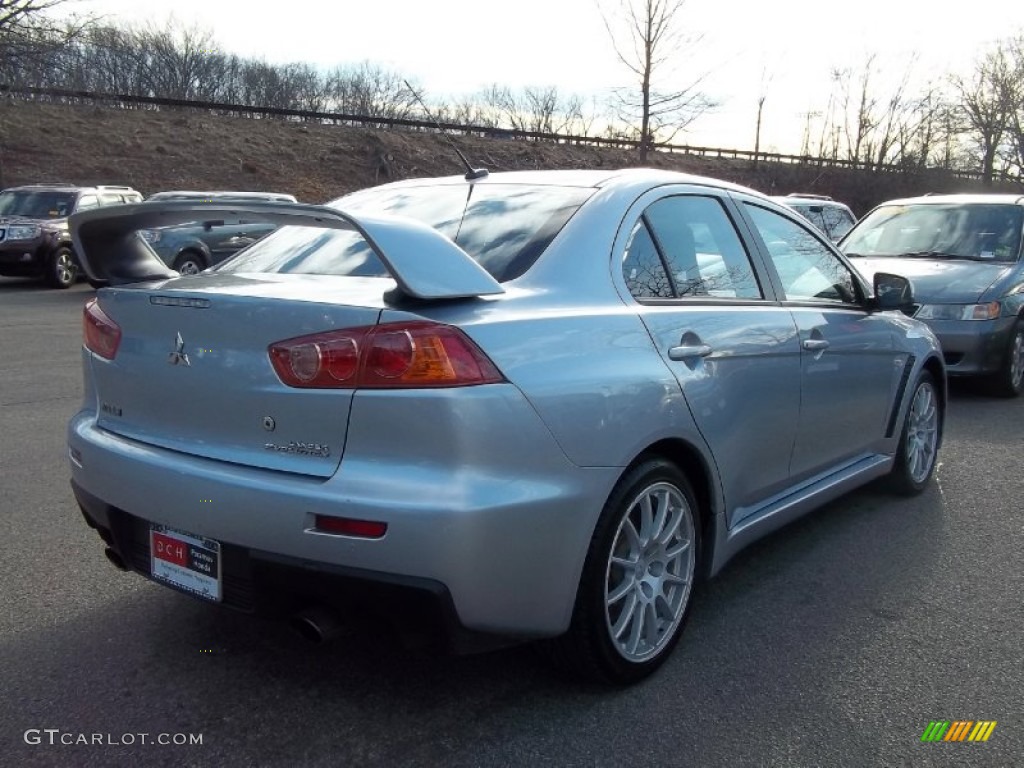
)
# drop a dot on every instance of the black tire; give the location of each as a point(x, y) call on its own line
point(917, 451)
point(1009, 381)
point(190, 263)
point(61, 268)
point(591, 648)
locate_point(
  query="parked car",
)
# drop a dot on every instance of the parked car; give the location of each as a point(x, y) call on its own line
point(833, 218)
point(963, 255)
point(193, 247)
point(517, 406)
point(34, 239)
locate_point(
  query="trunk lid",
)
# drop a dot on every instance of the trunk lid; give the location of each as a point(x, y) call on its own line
point(192, 372)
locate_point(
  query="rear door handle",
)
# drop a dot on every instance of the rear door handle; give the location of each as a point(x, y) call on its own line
point(688, 351)
point(814, 345)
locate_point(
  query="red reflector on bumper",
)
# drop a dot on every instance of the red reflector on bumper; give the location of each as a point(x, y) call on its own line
point(344, 526)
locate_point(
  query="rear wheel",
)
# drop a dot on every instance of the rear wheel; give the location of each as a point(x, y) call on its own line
point(638, 578)
point(1009, 381)
point(61, 268)
point(189, 263)
point(919, 440)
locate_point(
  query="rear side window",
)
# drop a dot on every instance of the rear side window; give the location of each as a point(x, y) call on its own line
point(503, 227)
point(686, 247)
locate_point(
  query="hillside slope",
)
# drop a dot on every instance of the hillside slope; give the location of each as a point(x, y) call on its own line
point(181, 149)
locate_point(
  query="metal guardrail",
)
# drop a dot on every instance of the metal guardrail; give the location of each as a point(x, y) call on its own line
point(470, 130)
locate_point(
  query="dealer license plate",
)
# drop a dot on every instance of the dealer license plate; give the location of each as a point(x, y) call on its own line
point(185, 561)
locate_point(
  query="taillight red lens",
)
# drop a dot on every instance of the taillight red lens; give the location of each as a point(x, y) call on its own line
point(393, 355)
point(101, 335)
point(346, 526)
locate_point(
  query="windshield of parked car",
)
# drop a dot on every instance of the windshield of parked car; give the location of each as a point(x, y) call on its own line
point(504, 227)
point(980, 231)
point(36, 205)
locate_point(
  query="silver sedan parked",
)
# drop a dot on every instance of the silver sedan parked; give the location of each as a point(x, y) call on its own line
point(517, 406)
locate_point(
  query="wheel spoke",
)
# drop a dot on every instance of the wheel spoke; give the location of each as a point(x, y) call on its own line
point(672, 528)
point(650, 633)
point(646, 519)
point(625, 587)
point(677, 549)
point(625, 617)
point(632, 537)
point(636, 627)
point(661, 515)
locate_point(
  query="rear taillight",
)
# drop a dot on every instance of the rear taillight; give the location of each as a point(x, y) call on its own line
point(100, 334)
point(394, 355)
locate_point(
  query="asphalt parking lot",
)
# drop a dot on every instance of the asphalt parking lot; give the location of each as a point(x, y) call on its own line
point(831, 643)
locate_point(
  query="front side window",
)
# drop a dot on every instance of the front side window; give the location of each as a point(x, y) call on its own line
point(980, 231)
point(808, 270)
point(685, 246)
point(86, 202)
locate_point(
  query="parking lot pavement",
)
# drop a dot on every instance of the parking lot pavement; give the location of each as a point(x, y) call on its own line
point(833, 642)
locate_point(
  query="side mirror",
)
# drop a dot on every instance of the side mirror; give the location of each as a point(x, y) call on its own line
point(892, 292)
point(208, 225)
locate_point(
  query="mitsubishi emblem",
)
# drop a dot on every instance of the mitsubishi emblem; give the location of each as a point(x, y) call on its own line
point(179, 355)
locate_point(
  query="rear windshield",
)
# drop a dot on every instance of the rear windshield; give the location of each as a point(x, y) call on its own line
point(981, 231)
point(504, 227)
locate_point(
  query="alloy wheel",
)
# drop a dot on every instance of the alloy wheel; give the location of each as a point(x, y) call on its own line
point(650, 572)
point(922, 432)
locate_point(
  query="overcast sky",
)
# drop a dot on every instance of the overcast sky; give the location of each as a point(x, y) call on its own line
point(455, 47)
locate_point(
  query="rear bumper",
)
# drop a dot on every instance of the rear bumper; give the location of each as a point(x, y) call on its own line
point(420, 611)
point(494, 532)
point(974, 347)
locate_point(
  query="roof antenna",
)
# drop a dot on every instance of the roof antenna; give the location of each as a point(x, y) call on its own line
point(471, 172)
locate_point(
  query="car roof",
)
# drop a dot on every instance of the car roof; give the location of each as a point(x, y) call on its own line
point(65, 187)
point(961, 199)
point(221, 195)
point(795, 200)
point(582, 178)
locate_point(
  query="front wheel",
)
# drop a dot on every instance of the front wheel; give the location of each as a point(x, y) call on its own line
point(918, 448)
point(61, 268)
point(638, 578)
point(1009, 380)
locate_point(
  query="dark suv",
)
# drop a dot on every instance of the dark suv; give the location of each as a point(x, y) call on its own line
point(34, 240)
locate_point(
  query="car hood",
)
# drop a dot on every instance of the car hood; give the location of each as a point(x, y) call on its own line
point(942, 281)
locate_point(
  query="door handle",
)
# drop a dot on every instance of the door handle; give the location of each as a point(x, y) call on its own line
point(815, 345)
point(688, 351)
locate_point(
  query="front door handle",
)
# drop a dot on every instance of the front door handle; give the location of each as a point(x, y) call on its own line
point(688, 351)
point(815, 345)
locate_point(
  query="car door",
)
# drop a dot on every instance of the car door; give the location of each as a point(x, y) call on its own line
point(733, 350)
point(849, 368)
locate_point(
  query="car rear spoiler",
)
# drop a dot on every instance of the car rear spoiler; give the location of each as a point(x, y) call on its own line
point(424, 263)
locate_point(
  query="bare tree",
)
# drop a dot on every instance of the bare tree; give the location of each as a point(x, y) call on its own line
point(647, 35)
point(986, 99)
point(1015, 99)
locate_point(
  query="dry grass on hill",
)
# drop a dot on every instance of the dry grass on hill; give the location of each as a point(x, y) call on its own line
point(179, 149)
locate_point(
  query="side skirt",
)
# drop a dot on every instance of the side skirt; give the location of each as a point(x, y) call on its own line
point(785, 508)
